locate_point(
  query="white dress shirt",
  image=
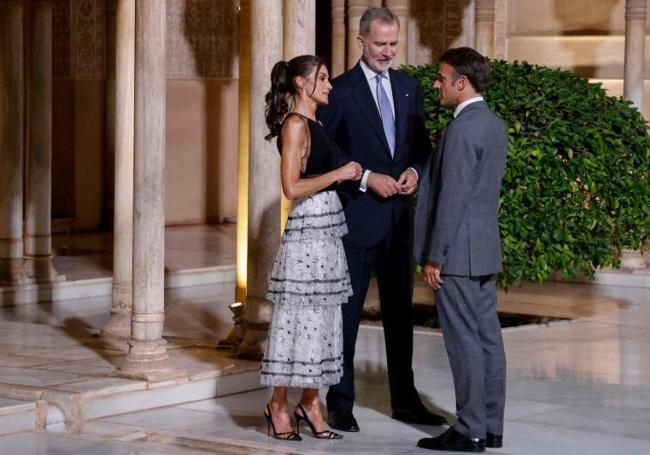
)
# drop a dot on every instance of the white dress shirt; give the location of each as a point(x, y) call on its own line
point(372, 84)
point(465, 103)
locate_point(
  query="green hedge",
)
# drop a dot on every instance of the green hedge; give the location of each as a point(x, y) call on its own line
point(575, 189)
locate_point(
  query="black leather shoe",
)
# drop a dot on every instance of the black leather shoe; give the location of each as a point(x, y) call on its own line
point(452, 441)
point(342, 420)
point(493, 441)
point(419, 415)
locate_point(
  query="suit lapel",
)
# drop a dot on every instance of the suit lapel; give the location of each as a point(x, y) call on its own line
point(363, 97)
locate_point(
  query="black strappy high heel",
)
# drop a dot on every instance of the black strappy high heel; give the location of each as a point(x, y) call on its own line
point(325, 434)
point(286, 436)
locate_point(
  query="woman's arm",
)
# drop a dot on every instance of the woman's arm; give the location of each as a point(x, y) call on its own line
point(294, 145)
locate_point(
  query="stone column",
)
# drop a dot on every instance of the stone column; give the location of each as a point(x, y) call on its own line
point(401, 9)
point(484, 24)
point(119, 326)
point(635, 19)
point(338, 37)
point(38, 188)
point(633, 75)
point(299, 28)
point(147, 358)
point(356, 8)
point(264, 177)
point(299, 39)
point(11, 144)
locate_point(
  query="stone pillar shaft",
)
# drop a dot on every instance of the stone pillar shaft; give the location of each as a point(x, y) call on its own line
point(485, 17)
point(633, 75)
point(401, 10)
point(264, 176)
point(635, 19)
point(147, 358)
point(299, 28)
point(38, 193)
point(355, 9)
point(11, 143)
point(120, 324)
point(338, 37)
point(299, 39)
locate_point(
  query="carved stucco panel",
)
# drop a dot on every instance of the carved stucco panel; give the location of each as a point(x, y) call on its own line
point(61, 38)
point(89, 38)
point(201, 38)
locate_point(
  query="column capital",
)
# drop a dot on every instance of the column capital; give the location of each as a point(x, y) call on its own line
point(338, 9)
point(399, 7)
point(356, 8)
point(484, 11)
point(635, 9)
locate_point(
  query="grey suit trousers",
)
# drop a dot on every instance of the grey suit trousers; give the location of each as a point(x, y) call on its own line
point(467, 311)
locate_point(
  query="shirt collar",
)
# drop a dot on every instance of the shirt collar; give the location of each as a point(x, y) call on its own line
point(370, 73)
point(465, 103)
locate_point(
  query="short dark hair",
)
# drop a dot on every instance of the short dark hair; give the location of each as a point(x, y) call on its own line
point(469, 63)
point(382, 14)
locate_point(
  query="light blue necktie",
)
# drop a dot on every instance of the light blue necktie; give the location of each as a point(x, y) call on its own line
point(386, 114)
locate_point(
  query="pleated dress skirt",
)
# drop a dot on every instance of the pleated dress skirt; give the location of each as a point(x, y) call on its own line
point(309, 283)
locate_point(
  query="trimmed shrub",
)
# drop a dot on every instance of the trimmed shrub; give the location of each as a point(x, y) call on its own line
point(575, 190)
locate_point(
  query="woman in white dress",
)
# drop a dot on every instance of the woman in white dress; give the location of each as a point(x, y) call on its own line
point(310, 279)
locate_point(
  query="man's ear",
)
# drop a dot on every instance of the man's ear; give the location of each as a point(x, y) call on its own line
point(360, 41)
point(463, 82)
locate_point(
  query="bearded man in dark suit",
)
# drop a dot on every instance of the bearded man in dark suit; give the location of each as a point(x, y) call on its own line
point(376, 115)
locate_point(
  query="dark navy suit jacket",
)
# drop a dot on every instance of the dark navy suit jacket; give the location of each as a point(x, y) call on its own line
point(352, 118)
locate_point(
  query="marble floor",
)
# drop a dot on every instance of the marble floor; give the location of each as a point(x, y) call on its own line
point(83, 256)
point(580, 386)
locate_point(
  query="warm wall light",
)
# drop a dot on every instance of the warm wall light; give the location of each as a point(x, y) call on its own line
point(242, 165)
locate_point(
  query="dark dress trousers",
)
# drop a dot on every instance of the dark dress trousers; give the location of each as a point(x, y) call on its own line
point(456, 226)
point(380, 230)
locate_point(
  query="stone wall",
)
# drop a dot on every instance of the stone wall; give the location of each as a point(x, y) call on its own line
point(202, 72)
point(583, 36)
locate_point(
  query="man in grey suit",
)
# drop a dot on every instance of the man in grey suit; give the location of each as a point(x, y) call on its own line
point(457, 242)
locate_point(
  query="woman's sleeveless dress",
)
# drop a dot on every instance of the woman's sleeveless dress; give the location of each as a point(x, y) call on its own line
point(309, 282)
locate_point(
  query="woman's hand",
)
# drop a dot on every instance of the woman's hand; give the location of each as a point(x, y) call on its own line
point(349, 171)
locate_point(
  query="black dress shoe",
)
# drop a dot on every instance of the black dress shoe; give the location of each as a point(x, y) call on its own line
point(452, 441)
point(493, 441)
point(419, 415)
point(342, 420)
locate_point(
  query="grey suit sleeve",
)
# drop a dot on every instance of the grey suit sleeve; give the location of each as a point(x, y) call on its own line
point(457, 179)
point(422, 149)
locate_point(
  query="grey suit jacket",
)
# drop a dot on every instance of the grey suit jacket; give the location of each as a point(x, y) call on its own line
point(456, 214)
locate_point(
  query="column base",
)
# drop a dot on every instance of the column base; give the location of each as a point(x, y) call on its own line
point(236, 335)
point(253, 343)
point(41, 269)
point(233, 339)
point(12, 272)
point(117, 331)
point(632, 259)
point(148, 360)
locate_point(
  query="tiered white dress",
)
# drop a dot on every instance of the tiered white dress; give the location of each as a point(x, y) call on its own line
point(309, 283)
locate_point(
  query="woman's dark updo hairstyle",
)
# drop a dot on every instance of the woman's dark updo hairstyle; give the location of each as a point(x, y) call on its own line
point(282, 86)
